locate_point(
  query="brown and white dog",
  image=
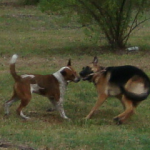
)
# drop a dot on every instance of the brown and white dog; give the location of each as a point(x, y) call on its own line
point(52, 86)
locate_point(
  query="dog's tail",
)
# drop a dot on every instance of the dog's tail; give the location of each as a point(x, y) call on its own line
point(12, 67)
point(135, 97)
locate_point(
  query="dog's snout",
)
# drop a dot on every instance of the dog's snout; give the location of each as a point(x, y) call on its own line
point(77, 79)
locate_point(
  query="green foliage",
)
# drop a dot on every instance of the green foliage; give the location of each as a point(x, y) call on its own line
point(114, 18)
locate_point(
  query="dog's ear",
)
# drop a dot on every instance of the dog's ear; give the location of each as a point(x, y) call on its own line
point(69, 62)
point(95, 60)
point(63, 72)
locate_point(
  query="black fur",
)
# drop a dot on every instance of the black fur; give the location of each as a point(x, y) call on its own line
point(86, 73)
point(121, 74)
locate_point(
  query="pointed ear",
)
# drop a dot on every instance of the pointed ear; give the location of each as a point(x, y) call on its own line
point(95, 60)
point(69, 62)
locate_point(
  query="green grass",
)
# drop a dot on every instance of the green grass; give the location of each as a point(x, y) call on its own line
point(43, 47)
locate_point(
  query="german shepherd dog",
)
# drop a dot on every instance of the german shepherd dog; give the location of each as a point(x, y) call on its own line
point(128, 83)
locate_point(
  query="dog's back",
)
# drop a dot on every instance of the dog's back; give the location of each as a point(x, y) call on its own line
point(131, 81)
point(121, 74)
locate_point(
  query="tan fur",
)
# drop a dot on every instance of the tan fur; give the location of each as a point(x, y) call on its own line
point(136, 85)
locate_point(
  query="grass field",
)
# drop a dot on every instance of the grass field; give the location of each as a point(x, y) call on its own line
point(44, 45)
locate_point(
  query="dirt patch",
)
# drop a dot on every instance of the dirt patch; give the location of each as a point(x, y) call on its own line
point(7, 145)
point(47, 117)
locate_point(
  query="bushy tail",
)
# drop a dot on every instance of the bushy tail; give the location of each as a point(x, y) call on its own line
point(12, 67)
point(135, 97)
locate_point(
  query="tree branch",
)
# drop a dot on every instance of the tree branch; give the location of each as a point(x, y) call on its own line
point(105, 14)
point(133, 28)
point(96, 18)
point(89, 10)
point(119, 19)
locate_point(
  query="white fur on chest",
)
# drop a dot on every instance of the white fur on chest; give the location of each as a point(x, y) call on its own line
point(61, 80)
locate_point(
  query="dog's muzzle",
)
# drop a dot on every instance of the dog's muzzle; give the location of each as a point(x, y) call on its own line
point(77, 79)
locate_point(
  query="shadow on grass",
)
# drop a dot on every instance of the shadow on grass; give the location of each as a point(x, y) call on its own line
point(79, 50)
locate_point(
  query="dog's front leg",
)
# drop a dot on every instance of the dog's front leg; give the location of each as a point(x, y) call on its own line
point(60, 108)
point(101, 98)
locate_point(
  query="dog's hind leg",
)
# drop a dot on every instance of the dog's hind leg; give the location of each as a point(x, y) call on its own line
point(9, 103)
point(129, 110)
point(24, 102)
point(101, 98)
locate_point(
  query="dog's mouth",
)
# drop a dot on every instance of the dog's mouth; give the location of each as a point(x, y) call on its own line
point(84, 78)
point(77, 80)
point(86, 74)
point(88, 77)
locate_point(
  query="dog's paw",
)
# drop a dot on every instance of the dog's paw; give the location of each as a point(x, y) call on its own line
point(50, 109)
point(117, 120)
point(6, 115)
point(27, 118)
point(87, 117)
point(69, 120)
